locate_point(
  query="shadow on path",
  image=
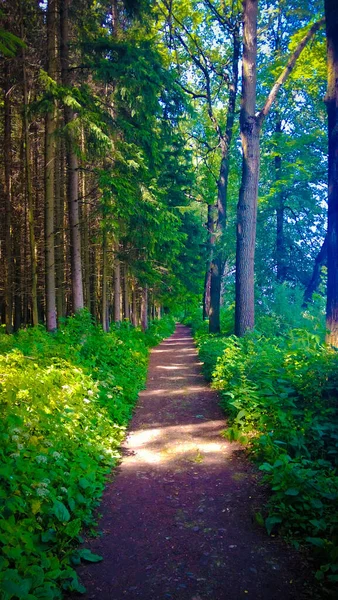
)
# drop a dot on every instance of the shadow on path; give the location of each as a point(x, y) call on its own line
point(178, 518)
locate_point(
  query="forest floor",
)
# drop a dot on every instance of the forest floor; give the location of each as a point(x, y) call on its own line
point(178, 517)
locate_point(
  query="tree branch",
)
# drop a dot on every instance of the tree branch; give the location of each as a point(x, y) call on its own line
point(287, 70)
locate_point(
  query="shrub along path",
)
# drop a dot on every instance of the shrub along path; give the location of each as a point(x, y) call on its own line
point(178, 518)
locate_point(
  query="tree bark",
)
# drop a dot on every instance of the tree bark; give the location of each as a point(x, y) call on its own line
point(8, 201)
point(17, 266)
point(117, 290)
point(331, 14)
point(50, 174)
point(134, 315)
point(30, 202)
point(206, 290)
point(247, 204)
point(73, 170)
point(212, 226)
point(126, 309)
point(105, 315)
point(93, 281)
point(86, 242)
point(144, 308)
point(59, 230)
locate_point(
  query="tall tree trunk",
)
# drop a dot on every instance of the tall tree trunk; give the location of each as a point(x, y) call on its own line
point(59, 229)
point(251, 124)
point(126, 309)
point(331, 14)
point(134, 306)
point(117, 290)
point(218, 258)
point(93, 281)
point(30, 202)
point(313, 285)
point(207, 278)
point(144, 308)
point(105, 315)
point(72, 168)
point(8, 201)
point(247, 204)
point(50, 174)
point(86, 242)
point(17, 245)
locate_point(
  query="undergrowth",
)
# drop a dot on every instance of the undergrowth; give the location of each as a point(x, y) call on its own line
point(279, 388)
point(65, 403)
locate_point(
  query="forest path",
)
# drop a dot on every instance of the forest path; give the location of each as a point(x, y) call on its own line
point(178, 518)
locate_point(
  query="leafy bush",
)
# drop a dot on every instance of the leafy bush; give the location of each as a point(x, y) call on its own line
point(65, 403)
point(281, 309)
point(281, 397)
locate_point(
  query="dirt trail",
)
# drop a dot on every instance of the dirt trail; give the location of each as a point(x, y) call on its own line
point(178, 518)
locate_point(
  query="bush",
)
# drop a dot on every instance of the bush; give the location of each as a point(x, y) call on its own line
point(65, 403)
point(281, 397)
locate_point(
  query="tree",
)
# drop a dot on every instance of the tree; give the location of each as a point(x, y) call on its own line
point(206, 44)
point(72, 164)
point(251, 123)
point(50, 153)
point(331, 17)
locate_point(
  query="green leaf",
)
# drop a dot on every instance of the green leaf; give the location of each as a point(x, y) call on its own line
point(76, 586)
point(291, 492)
point(60, 511)
point(270, 522)
point(265, 467)
point(73, 528)
point(316, 541)
point(259, 518)
point(14, 585)
point(88, 555)
point(37, 574)
point(84, 483)
point(242, 413)
point(48, 536)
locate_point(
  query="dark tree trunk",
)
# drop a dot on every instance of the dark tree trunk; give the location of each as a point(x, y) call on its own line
point(117, 289)
point(134, 314)
point(105, 313)
point(29, 194)
point(218, 258)
point(93, 281)
point(331, 14)
point(215, 295)
point(247, 204)
point(126, 309)
point(207, 278)
point(314, 283)
point(72, 169)
point(8, 202)
point(17, 266)
point(50, 174)
point(144, 308)
point(59, 230)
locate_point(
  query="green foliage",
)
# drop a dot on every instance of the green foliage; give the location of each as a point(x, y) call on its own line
point(281, 309)
point(281, 397)
point(65, 403)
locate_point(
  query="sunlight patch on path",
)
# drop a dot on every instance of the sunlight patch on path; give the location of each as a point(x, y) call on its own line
point(193, 443)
